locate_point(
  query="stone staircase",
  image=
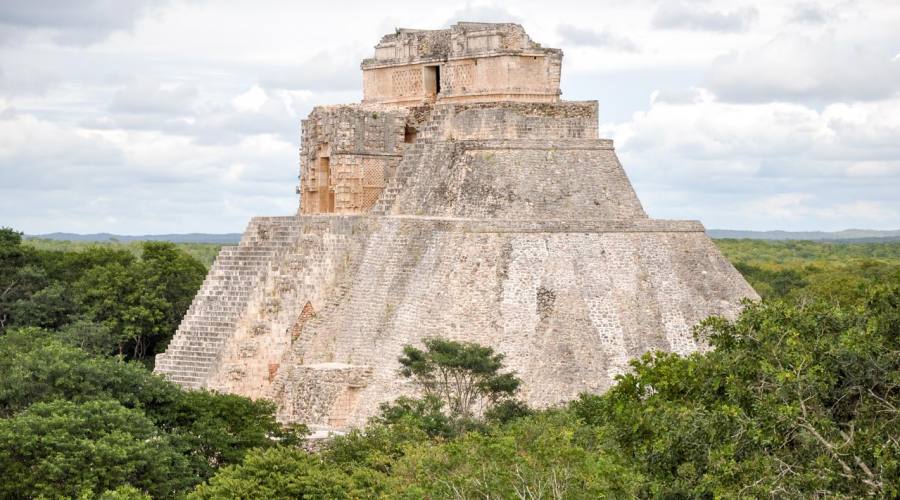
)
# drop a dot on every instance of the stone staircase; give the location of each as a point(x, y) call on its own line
point(416, 155)
point(407, 166)
point(195, 350)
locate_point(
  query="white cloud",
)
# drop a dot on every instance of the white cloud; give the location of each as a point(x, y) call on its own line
point(691, 16)
point(602, 38)
point(150, 97)
point(184, 115)
point(798, 68)
point(78, 23)
point(326, 70)
point(251, 100)
point(809, 13)
point(484, 13)
point(874, 169)
point(780, 206)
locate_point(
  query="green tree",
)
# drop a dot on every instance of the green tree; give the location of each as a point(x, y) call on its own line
point(175, 276)
point(50, 307)
point(18, 276)
point(795, 399)
point(142, 303)
point(282, 472)
point(208, 429)
point(547, 455)
point(216, 430)
point(62, 448)
point(465, 377)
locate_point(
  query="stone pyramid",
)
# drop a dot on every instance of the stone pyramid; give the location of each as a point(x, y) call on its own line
point(461, 198)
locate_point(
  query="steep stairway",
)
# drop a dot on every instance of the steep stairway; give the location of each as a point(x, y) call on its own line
point(197, 345)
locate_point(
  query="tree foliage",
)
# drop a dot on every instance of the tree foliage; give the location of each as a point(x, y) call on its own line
point(137, 299)
point(201, 431)
point(465, 377)
point(793, 400)
point(63, 448)
point(798, 397)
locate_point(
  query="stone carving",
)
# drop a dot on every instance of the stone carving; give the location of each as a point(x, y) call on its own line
point(489, 211)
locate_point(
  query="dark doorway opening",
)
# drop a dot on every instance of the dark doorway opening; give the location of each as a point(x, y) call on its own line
point(326, 195)
point(409, 134)
point(433, 80)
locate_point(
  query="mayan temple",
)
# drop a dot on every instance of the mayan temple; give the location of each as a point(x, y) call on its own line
point(461, 198)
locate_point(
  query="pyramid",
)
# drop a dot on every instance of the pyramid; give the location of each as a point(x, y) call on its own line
point(463, 199)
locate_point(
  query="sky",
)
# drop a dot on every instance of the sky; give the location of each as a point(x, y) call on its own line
point(167, 116)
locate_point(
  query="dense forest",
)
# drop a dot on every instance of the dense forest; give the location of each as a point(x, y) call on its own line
point(798, 397)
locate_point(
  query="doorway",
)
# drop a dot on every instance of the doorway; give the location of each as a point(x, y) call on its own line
point(433, 80)
point(326, 194)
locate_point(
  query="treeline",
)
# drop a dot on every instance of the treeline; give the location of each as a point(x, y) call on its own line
point(799, 397)
point(203, 252)
point(105, 299)
point(806, 270)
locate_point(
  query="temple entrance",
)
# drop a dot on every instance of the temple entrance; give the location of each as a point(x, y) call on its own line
point(326, 194)
point(433, 80)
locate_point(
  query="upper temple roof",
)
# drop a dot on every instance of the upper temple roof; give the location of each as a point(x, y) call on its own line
point(462, 40)
point(468, 62)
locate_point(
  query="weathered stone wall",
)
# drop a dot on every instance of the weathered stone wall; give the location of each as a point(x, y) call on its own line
point(291, 289)
point(476, 62)
point(569, 304)
point(508, 179)
point(195, 351)
point(510, 120)
point(348, 154)
point(568, 301)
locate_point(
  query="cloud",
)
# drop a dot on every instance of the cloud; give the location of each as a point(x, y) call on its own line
point(691, 95)
point(809, 13)
point(71, 23)
point(326, 70)
point(779, 206)
point(573, 35)
point(800, 69)
point(675, 15)
point(88, 179)
point(800, 206)
point(145, 96)
point(772, 165)
point(204, 117)
point(482, 14)
point(27, 80)
point(874, 169)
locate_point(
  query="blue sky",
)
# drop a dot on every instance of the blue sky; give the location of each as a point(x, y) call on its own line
point(154, 116)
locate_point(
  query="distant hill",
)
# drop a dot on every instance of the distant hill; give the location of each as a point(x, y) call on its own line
point(222, 239)
point(846, 236)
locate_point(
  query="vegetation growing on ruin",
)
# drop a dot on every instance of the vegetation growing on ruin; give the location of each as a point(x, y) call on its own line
point(799, 398)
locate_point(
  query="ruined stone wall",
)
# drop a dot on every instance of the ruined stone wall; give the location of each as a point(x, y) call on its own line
point(512, 120)
point(477, 62)
point(487, 79)
point(291, 289)
point(348, 154)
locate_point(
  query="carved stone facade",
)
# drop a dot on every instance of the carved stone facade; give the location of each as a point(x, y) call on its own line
point(470, 62)
point(509, 223)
